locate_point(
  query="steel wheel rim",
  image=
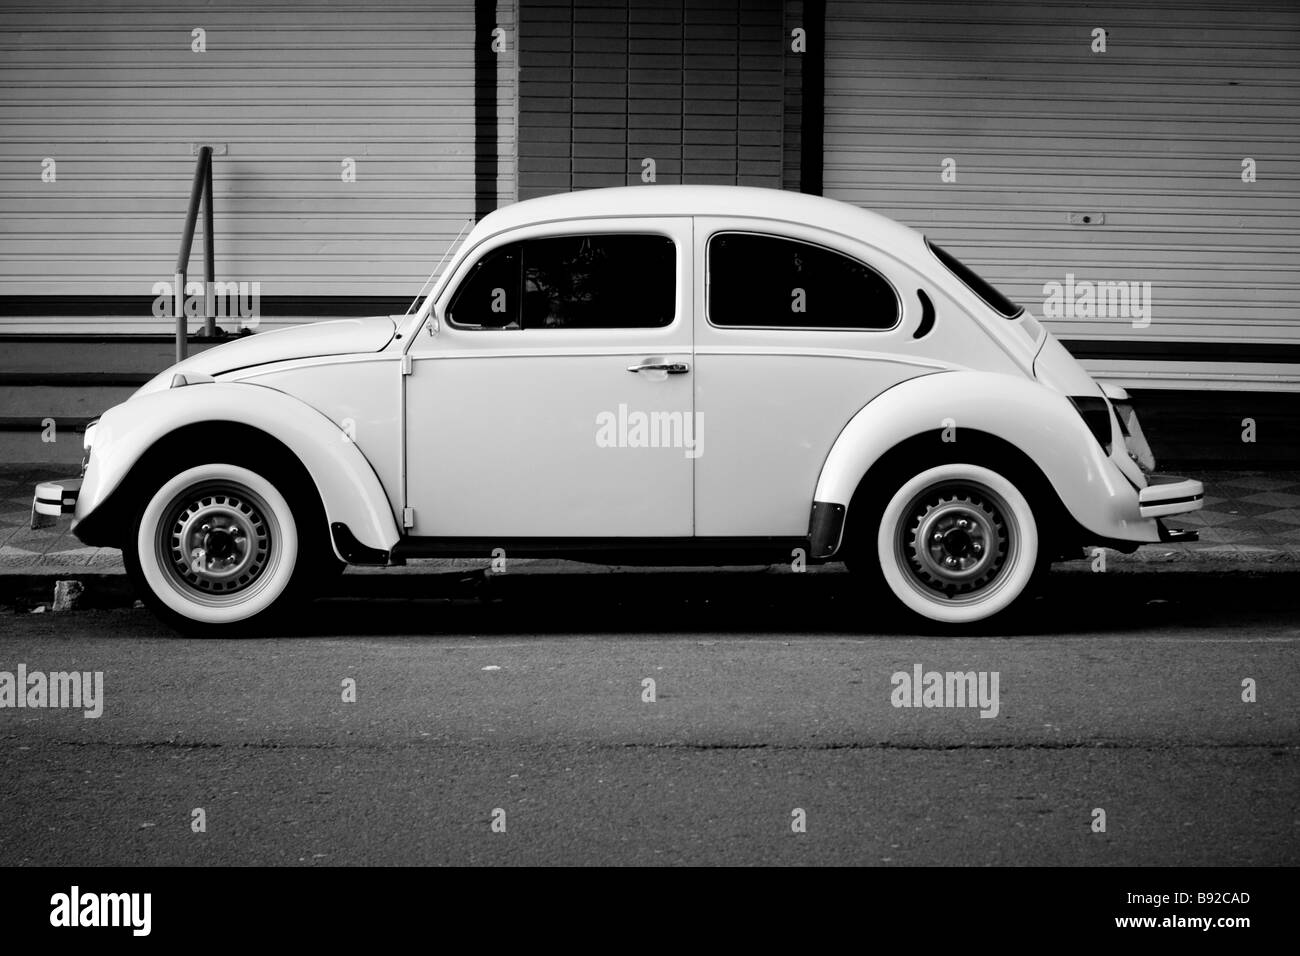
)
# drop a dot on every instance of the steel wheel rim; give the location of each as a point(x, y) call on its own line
point(956, 542)
point(218, 544)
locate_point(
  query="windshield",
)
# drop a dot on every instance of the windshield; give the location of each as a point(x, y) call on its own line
point(994, 299)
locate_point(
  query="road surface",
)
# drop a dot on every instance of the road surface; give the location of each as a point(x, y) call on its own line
point(511, 723)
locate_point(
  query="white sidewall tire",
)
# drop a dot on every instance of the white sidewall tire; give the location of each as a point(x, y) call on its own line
point(1012, 580)
point(276, 578)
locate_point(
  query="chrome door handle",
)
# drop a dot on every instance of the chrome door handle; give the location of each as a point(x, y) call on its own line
point(672, 368)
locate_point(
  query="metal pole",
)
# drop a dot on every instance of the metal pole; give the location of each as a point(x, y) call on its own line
point(178, 307)
point(209, 313)
point(187, 239)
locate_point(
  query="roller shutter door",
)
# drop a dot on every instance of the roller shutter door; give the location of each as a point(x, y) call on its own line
point(117, 97)
point(1122, 166)
point(604, 86)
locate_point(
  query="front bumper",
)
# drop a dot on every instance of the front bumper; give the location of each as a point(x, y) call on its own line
point(54, 499)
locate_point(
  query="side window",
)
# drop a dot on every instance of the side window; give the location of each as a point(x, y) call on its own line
point(772, 282)
point(571, 282)
point(488, 298)
point(599, 282)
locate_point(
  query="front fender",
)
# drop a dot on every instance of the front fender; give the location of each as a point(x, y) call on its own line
point(348, 487)
point(1038, 421)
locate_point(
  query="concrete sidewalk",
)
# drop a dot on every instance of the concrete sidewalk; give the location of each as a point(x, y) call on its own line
point(1251, 521)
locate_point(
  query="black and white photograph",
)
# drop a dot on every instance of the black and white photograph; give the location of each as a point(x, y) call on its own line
point(620, 434)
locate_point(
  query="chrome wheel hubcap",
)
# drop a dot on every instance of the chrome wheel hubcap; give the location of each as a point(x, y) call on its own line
point(956, 540)
point(217, 540)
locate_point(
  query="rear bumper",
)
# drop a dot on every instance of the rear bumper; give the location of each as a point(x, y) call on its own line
point(1158, 496)
point(54, 499)
point(1169, 495)
point(1176, 535)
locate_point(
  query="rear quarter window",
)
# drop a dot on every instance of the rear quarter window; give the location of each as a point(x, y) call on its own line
point(765, 281)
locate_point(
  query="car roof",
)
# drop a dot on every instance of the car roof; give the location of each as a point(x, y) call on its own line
point(671, 200)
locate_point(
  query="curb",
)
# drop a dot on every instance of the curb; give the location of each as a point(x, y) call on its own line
point(108, 586)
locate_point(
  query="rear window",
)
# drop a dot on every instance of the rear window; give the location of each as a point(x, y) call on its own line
point(994, 299)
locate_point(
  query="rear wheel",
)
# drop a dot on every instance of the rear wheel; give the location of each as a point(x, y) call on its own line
point(958, 543)
point(217, 550)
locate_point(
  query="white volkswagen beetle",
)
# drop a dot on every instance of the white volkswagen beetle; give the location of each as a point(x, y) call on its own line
point(666, 374)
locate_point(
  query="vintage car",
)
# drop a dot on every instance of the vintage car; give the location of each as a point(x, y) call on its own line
point(659, 374)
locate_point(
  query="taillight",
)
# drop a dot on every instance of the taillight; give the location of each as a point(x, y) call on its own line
point(1095, 412)
point(1134, 439)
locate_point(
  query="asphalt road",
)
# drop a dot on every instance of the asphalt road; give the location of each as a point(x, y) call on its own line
point(772, 693)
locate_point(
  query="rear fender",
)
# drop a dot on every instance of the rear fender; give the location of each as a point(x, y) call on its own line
point(1038, 421)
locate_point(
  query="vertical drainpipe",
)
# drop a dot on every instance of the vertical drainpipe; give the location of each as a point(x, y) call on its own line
point(485, 108)
point(813, 105)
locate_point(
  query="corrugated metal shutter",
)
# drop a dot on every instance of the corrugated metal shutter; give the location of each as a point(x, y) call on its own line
point(696, 87)
point(115, 95)
point(1150, 135)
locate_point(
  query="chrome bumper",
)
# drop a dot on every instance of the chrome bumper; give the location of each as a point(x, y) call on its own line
point(1169, 495)
point(53, 500)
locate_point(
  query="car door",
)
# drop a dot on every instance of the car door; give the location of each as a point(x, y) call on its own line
point(793, 337)
point(554, 400)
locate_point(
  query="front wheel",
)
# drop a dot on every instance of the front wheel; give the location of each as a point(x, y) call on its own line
point(958, 543)
point(216, 550)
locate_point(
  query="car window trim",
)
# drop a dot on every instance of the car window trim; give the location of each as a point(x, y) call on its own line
point(937, 253)
point(708, 282)
point(677, 298)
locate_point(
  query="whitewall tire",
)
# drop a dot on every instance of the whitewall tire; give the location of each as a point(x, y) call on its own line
point(958, 543)
point(216, 546)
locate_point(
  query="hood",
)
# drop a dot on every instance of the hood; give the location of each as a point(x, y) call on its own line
point(336, 337)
